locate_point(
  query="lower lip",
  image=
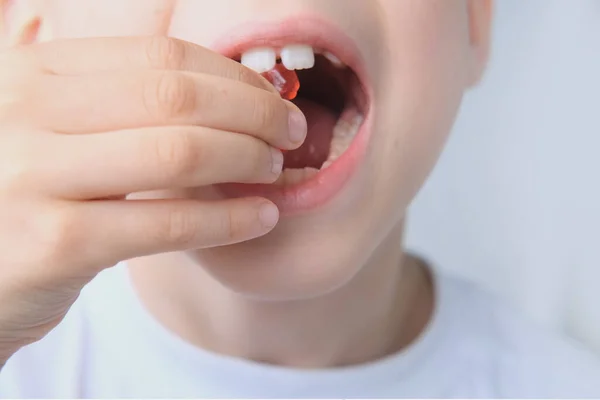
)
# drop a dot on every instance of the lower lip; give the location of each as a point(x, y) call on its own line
point(313, 193)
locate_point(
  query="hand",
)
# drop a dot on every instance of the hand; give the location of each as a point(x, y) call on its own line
point(84, 123)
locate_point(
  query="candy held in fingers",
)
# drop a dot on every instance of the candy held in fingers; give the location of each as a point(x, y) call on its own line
point(284, 80)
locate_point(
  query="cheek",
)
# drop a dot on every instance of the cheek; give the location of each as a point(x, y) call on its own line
point(428, 64)
point(88, 18)
point(429, 54)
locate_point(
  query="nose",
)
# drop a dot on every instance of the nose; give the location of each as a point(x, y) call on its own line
point(203, 22)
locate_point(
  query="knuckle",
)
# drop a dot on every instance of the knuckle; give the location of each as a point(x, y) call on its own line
point(246, 75)
point(165, 53)
point(261, 158)
point(178, 228)
point(206, 99)
point(231, 226)
point(176, 156)
point(18, 61)
point(16, 163)
point(14, 175)
point(171, 96)
point(57, 233)
point(265, 112)
point(17, 89)
point(257, 160)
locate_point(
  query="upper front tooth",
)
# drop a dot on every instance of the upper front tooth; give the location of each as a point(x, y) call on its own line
point(298, 56)
point(260, 59)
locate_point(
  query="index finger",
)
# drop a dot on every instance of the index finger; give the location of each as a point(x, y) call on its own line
point(92, 55)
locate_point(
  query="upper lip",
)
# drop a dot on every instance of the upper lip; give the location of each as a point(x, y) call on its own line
point(309, 30)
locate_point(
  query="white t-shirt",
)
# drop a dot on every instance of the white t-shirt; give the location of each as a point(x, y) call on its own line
point(109, 346)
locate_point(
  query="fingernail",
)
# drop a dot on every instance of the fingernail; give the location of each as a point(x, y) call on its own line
point(297, 125)
point(268, 215)
point(276, 161)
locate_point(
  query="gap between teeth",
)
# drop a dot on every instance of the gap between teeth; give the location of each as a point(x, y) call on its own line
point(293, 57)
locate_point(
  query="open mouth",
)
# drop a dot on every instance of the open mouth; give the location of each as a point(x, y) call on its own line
point(321, 69)
point(329, 94)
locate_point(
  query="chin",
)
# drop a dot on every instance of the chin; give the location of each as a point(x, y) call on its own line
point(296, 261)
point(317, 250)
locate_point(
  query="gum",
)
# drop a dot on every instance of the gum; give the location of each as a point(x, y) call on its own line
point(285, 81)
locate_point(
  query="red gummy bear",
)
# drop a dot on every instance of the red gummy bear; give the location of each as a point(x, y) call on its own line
point(285, 81)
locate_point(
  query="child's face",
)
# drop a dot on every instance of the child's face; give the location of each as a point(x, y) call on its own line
point(418, 57)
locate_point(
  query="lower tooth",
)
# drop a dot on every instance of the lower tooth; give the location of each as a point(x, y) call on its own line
point(338, 147)
point(310, 172)
point(348, 124)
point(326, 164)
point(343, 134)
point(293, 176)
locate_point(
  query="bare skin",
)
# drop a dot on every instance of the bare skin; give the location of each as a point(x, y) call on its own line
point(63, 211)
point(163, 108)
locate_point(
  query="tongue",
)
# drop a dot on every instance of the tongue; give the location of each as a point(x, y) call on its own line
point(315, 149)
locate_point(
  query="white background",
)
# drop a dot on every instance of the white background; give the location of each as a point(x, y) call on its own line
point(515, 201)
